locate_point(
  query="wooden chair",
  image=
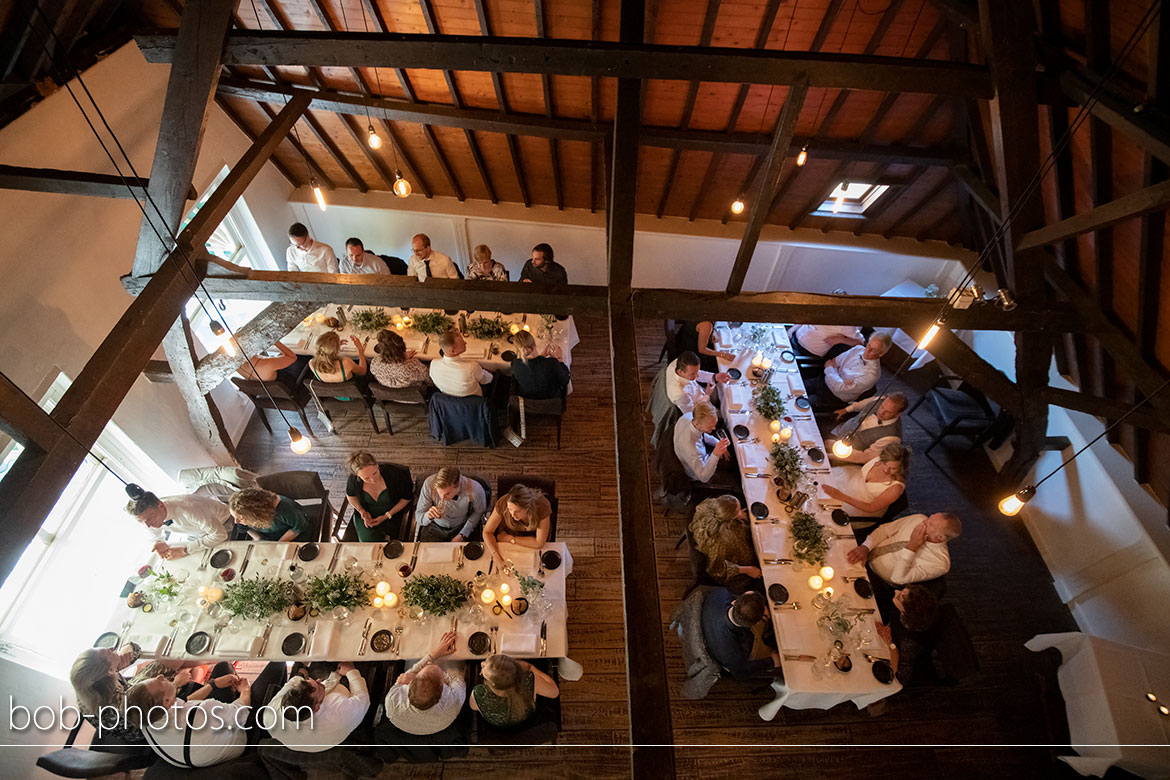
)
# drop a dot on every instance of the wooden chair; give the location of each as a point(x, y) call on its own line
point(408, 529)
point(349, 533)
point(306, 488)
point(287, 399)
point(536, 407)
point(546, 486)
point(542, 728)
point(702, 671)
point(456, 419)
point(393, 743)
point(670, 345)
point(70, 761)
point(351, 391)
point(412, 399)
point(960, 412)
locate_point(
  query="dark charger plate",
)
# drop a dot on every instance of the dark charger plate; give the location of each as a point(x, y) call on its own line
point(863, 588)
point(308, 551)
point(840, 517)
point(479, 643)
point(198, 643)
point(381, 641)
point(507, 355)
point(392, 549)
point(107, 641)
point(759, 509)
point(293, 644)
point(220, 558)
point(882, 671)
point(550, 559)
point(741, 432)
point(816, 455)
point(734, 373)
point(473, 551)
point(778, 593)
point(802, 403)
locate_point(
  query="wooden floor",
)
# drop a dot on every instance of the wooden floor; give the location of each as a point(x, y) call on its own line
point(998, 583)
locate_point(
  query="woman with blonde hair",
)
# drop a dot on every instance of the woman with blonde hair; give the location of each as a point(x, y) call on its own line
point(538, 376)
point(507, 695)
point(378, 492)
point(273, 518)
point(101, 690)
point(721, 532)
point(868, 491)
point(484, 267)
point(522, 517)
point(328, 365)
point(397, 366)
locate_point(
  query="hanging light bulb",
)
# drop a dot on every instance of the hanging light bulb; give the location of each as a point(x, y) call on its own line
point(1012, 504)
point(374, 139)
point(1006, 300)
point(317, 193)
point(401, 186)
point(298, 443)
point(802, 158)
point(737, 205)
point(931, 332)
point(224, 339)
point(842, 448)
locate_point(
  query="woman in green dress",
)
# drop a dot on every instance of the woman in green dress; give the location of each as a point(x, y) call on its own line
point(272, 518)
point(378, 493)
point(507, 696)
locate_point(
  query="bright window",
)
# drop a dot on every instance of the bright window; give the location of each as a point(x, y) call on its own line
point(850, 199)
point(63, 591)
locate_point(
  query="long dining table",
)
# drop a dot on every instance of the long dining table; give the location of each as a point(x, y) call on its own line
point(802, 644)
point(163, 632)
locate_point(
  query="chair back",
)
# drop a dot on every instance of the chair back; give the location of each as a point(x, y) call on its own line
point(670, 330)
point(663, 412)
point(351, 389)
point(955, 652)
point(255, 388)
point(454, 419)
point(547, 486)
point(671, 474)
point(306, 488)
point(412, 394)
point(702, 670)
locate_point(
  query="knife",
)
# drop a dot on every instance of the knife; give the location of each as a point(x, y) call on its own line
point(247, 556)
point(543, 638)
point(365, 635)
point(167, 648)
point(309, 638)
point(336, 554)
point(459, 557)
point(215, 641)
point(778, 561)
point(264, 640)
point(414, 554)
point(799, 657)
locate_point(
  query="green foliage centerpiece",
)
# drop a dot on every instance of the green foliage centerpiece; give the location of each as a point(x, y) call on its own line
point(435, 594)
point(760, 337)
point(487, 329)
point(810, 540)
point(786, 465)
point(369, 320)
point(259, 598)
point(530, 586)
point(434, 323)
point(162, 586)
point(768, 401)
point(338, 590)
point(835, 621)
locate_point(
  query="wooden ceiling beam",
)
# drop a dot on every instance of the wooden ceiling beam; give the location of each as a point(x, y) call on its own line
point(590, 58)
point(1154, 198)
point(23, 420)
point(502, 100)
point(314, 169)
point(98, 185)
point(360, 137)
point(943, 183)
point(1109, 408)
point(260, 333)
point(239, 122)
point(980, 193)
point(964, 13)
point(1148, 127)
point(967, 363)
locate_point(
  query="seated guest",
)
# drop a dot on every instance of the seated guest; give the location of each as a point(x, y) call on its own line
point(538, 376)
point(336, 711)
point(541, 267)
point(868, 491)
point(220, 715)
point(427, 698)
point(272, 518)
point(721, 532)
point(912, 635)
point(696, 337)
point(396, 265)
point(455, 375)
point(910, 549)
point(849, 375)
point(101, 689)
point(825, 341)
point(305, 254)
point(266, 369)
point(684, 382)
point(692, 437)
point(450, 507)
point(377, 493)
point(328, 365)
point(396, 366)
point(507, 695)
point(426, 262)
point(875, 426)
point(202, 522)
point(523, 516)
point(729, 631)
point(359, 260)
point(484, 267)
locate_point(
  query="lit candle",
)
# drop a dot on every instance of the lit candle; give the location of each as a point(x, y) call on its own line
point(786, 432)
point(320, 318)
point(767, 363)
point(203, 589)
point(774, 425)
point(758, 360)
point(815, 582)
point(399, 325)
point(775, 438)
point(826, 573)
point(378, 602)
point(214, 594)
point(828, 593)
point(408, 321)
point(505, 599)
point(382, 588)
point(505, 588)
point(390, 599)
point(1162, 708)
point(514, 329)
point(526, 329)
point(488, 596)
point(1151, 697)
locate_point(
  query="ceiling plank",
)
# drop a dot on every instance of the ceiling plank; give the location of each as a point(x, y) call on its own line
point(502, 100)
point(335, 152)
point(314, 169)
point(590, 58)
point(546, 88)
point(239, 122)
point(964, 13)
point(944, 182)
point(361, 137)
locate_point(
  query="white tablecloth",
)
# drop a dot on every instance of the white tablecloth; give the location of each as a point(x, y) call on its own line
point(1110, 720)
point(796, 631)
point(335, 641)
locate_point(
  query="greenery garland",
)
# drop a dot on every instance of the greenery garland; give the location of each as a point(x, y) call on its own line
point(529, 585)
point(259, 598)
point(163, 586)
point(760, 336)
point(435, 594)
point(433, 323)
point(338, 590)
point(487, 329)
point(768, 401)
point(369, 320)
point(786, 465)
point(810, 540)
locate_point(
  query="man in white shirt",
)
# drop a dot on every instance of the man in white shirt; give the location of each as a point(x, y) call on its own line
point(875, 426)
point(692, 437)
point(428, 698)
point(910, 549)
point(336, 711)
point(825, 341)
point(305, 254)
point(204, 522)
point(359, 261)
point(684, 382)
point(848, 375)
point(426, 262)
point(454, 375)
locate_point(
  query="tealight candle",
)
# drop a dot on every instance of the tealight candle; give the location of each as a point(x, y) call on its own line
point(758, 360)
point(320, 318)
point(514, 329)
point(214, 594)
point(505, 599)
point(399, 325)
point(378, 603)
point(526, 329)
point(775, 438)
point(390, 599)
point(774, 425)
point(826, 573)
point(786, 432)
point(408, 321)
point(815, 582)
point(382, 588)
point(828, 593)
point(767, 363)
point(488, 596)
point(203, 589)
point(505, 587)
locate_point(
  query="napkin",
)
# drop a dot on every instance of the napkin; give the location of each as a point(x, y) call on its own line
point(739, 397)
point(363, 552)
point(806, 431)
point(150, 643)
point(523, 557)
point(239, 645)
point(752, 456)
point(519, 644)
point(722, 338)
point(780, 337)
point(290, 552)
point(795, 385)
point(324, 638)
point(437, 553)
point(772, 540)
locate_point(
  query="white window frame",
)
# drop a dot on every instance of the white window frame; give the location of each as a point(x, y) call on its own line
point(859, 196)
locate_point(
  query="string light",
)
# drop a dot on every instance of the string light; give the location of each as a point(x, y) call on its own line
point(843, 447)
point(931, 332)
point(374, 139)
point(223, 338)
point(737, 205)
point(298, 443)
point(802, 158)
point(402, 187)
point(1011, 505)
point(317, 193)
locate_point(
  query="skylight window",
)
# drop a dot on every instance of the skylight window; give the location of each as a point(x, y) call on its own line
point(850, 199)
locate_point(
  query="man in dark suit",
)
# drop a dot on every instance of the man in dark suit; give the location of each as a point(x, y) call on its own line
point(727, 631)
